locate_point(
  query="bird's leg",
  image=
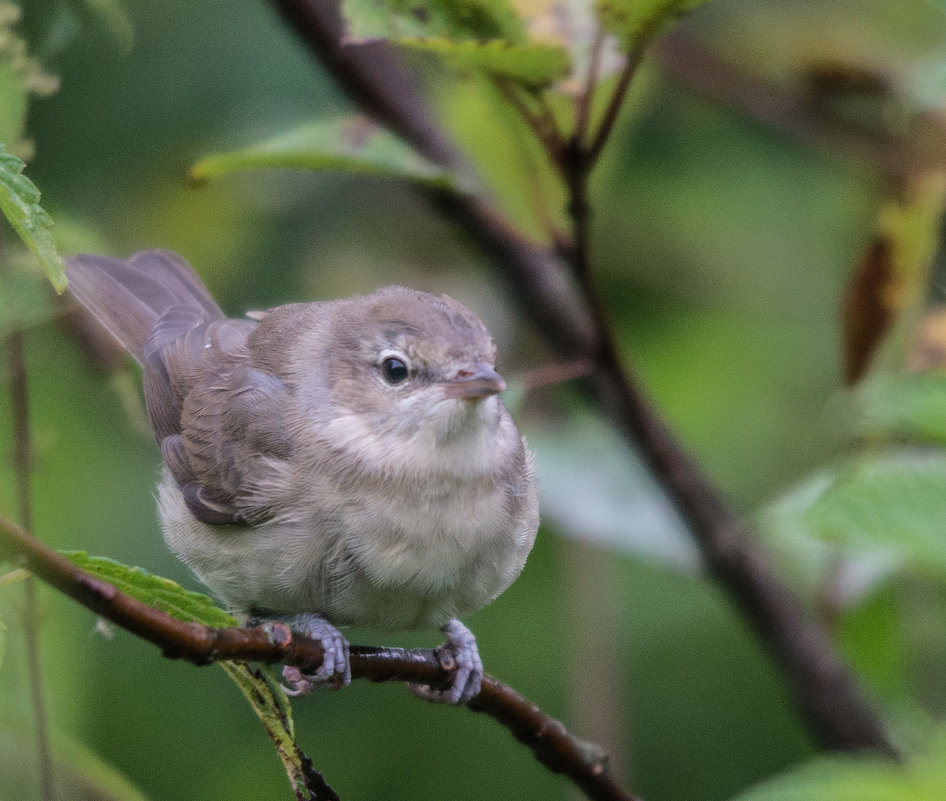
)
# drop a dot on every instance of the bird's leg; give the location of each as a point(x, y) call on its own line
point(461, 644)
point(334, 671)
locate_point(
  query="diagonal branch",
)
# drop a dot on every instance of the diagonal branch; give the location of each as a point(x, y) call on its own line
point(824, 688)
point(275, 643)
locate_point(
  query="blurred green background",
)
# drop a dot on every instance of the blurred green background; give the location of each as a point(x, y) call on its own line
point(723, 249)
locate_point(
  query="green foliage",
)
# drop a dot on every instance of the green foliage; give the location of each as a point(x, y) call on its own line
point(636, 22)
point(893, 502)
point(161, 593)
point(910, 406)
point(19, 202)
point(76, 767)
point(354, 145)
point(470, 35)
point(847, 778)
point(257, 684)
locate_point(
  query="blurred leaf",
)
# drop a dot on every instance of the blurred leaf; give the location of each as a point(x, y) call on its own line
point(910, 406)
point(854, 778)
point(80, 774)
point(351, 144)
point(867, 312)
point(19, 201)
point(475, 35)
point(161, 593)
point(616, 505)
point(111, 15)
point(459, 20)
point(894, 502)
point(25, 292)
point(533, 65)
point(20, 76)
point(636, 22)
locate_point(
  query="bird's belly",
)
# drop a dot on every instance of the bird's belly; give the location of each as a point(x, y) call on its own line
point(445, 558)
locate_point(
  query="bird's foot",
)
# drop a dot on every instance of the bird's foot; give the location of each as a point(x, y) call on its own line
point(461, 646)
point(335, 670)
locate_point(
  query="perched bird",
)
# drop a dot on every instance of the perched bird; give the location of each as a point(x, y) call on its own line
point(327, 464)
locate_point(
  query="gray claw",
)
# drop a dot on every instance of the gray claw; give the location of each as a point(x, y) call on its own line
point(469, 674)
point(335, 670)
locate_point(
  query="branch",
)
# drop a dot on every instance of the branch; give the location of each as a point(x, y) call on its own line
point(275, 643)
point(825, 690)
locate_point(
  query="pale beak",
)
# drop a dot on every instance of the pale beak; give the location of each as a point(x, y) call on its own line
point(476, 382)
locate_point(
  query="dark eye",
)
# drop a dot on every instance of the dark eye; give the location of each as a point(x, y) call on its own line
point(394, 370)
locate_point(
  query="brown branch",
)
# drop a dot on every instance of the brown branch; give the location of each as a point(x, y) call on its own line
point(275, 643)
point(824, 688)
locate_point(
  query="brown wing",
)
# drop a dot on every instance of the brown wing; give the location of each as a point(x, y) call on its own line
point(219, 420)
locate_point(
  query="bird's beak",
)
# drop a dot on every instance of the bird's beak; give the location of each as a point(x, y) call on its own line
point(475, 382)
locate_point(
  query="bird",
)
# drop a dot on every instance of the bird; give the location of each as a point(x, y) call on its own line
point(330, 463)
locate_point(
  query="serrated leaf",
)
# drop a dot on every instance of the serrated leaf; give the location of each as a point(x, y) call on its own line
point(161, 593)
point(859, 778)
point(19, 202)
point(349, 144)
point(911, 406)
point(636, 22)
point(894, 502)
point(532, 65)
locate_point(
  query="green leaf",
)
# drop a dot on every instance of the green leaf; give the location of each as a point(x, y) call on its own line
point(470, 35)
point(270, 704)
point(19, 201)
point(636, 22)
point(894, 502)
point(475, 20)
point(111, 15)
point(78, 772)
point(262, 691)
point(532, 65)
point(348, 144)
point(854, 778)
point(911, 406)
point(161, 593)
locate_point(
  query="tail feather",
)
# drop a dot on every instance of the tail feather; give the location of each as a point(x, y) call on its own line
point(129, 297)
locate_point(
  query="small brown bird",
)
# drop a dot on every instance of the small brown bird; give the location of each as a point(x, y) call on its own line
point(327, 464)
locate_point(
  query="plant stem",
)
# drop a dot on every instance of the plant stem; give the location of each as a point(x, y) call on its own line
point(22, 465)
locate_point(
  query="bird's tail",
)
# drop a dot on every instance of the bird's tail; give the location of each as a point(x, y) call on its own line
point(129, 297)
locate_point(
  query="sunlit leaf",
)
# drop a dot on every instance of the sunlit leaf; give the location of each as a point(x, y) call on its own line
point(860, 778)
point(161, 593)
point(19, 202)
point(636, 22)
point(353, 145)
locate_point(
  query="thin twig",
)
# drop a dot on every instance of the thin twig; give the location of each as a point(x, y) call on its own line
point(540, 122)
point(584, 98)
point(22, 467)
point(275, 643)
point(615, 104)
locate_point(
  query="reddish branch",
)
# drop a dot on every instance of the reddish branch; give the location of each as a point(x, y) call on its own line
point(574, 322)
point(551, 743)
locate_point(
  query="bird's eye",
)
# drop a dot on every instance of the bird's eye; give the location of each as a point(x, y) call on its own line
point(394, 370)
